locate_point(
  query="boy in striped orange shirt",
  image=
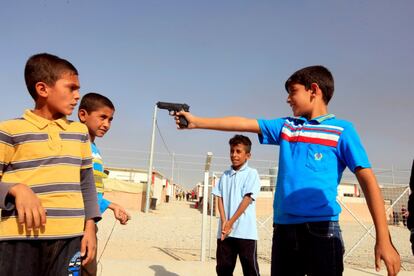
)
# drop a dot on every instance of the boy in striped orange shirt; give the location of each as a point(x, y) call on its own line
point(47, 191)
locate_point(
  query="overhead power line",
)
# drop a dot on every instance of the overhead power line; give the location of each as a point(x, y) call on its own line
point(163, 140)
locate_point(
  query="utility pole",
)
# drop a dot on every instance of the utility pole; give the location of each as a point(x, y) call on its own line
point(172, 167)
point(151, 157)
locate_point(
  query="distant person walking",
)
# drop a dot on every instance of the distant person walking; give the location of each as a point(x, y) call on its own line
point(404, 215)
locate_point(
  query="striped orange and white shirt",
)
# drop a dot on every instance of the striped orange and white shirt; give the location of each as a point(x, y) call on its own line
point(54, 159)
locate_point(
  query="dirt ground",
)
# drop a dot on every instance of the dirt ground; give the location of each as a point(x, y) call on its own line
point(167, 242)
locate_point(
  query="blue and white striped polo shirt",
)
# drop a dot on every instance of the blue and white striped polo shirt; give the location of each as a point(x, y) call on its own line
point(99, 175)
point(313, 155)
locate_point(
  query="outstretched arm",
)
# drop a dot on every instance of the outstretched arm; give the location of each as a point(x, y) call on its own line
point(223, 123)
point(384, 250)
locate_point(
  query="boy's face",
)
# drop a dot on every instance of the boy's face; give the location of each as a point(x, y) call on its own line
point(238, 156)
point(61, 98)
point(98, 121)
point(300, 100)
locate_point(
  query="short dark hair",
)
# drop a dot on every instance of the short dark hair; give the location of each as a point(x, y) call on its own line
point(314, 74)
point(93, 101)
point(241, 139)
point(45, 68)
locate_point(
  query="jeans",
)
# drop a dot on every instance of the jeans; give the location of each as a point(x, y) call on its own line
point(313, 249)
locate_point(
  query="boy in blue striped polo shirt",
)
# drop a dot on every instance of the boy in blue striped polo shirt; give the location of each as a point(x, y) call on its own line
point(237, 191)
point(96, 112)
point(315, 149)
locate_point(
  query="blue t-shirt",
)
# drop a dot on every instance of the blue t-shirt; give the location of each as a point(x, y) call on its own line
point(313, 155)
point(99, 175)
point(232, 187)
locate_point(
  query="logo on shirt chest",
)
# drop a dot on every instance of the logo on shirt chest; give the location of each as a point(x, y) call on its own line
point(318, 156)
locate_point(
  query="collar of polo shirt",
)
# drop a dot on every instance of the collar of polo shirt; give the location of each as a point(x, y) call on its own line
point(41, 122)
point(317, 120)
point(241, 169)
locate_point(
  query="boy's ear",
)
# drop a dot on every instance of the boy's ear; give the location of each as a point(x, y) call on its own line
point(315, 89)
point(41, 89)
point(82, 114)
point(248, 155)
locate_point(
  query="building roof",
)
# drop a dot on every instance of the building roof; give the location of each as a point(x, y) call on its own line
point(135, 170)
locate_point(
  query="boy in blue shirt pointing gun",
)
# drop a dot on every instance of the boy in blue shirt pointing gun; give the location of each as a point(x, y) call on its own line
point(315, 149)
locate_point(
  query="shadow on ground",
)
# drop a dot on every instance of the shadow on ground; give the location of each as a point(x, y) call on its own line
point(161, 271)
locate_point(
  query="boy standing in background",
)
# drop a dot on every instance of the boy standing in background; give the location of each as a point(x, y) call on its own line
point(236, 193)
point(96, 112)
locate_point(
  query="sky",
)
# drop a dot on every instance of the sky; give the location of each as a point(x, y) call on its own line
point(222, 58)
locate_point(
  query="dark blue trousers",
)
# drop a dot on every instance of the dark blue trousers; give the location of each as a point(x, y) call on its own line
point(40, 257)
point(227, 252)
point(313, 249)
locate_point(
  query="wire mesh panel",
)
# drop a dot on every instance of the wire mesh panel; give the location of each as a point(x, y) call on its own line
point(357, 225)
point(355, 220)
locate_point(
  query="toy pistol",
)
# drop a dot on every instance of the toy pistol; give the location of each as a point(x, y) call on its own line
point(174, 108)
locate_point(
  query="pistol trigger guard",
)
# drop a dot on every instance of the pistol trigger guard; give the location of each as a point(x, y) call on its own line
point(172, 112)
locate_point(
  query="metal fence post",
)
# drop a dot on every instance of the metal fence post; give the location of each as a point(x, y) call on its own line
point(205, 202)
